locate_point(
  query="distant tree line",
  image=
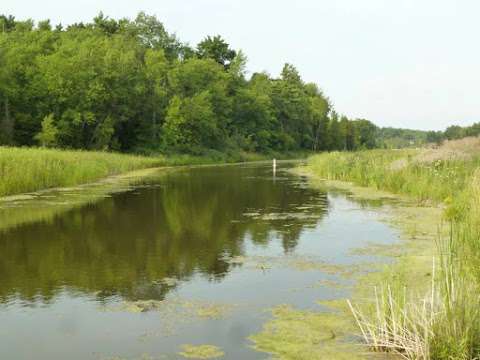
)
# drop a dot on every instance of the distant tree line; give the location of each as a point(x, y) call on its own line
point(394, 138)
point(129, 85)
point(454, 132)
point(400, 138)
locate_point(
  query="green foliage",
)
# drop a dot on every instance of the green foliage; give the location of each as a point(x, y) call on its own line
point(398, 172)
point(393, 138)
point(453, 132)
point(130, 85)
point(451, 330)
point(48, 136)
point(190, 122)
point(30, 169)
point(217, 49)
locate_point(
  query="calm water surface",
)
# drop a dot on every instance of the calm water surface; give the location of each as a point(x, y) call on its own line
point(234, 240)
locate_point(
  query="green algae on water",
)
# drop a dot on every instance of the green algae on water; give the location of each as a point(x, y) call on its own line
point(177, 308)
point(201, 352)
point(295, 334)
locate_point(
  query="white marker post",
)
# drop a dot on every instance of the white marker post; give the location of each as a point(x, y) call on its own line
point(274, 166)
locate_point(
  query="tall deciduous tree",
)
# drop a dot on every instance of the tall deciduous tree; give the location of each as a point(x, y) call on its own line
point(216, 48)
point(133, 86)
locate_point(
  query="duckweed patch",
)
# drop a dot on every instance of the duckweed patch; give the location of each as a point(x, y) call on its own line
point(176, 307)
point(419, 225)
point(300, 334)
point(173, 314)
point(300, 263)
point(306, 335)
point(201, 352)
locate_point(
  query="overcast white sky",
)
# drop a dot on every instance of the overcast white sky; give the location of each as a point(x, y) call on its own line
point(402, 63)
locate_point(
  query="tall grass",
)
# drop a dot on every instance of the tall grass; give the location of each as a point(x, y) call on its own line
point(31, 169)
point(398, 171)
point(444, 322)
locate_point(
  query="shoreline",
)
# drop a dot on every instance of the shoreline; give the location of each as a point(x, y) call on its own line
point(411, 264)
point(30, 170)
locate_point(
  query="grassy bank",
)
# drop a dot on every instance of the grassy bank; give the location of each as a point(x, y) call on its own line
point(442, 320)
point(31, 169)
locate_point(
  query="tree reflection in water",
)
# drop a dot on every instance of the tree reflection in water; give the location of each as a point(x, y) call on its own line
point(182, 223)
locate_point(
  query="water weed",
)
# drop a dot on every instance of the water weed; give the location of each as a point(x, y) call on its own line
point(443, 321)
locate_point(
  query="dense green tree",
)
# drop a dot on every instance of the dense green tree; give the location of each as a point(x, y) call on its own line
point(7, 23)
point(253, 119)
point(152, 34)
point(434, 136)
point(318, 110)
point(190, 123)
point(130, 85)
point(47, 137)
point(335, 139)
point(292, 107)
point(217, 49)
point(342, 129)
point(366, 134)
point(156, 68)
point(473, 130)
point(455, 132)
point(399, 138)
point(6, 122)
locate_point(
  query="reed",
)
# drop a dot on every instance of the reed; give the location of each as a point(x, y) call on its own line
point(444, 321)
point(30, 169)
point(25, 170)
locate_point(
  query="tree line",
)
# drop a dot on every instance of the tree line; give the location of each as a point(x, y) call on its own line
point(454, 132)
point(130, 85)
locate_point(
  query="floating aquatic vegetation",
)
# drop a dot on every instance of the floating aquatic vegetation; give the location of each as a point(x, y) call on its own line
point(385, 250)
point(307, 264)
point(306, 335)
point(142, 306)
point(304, 263)
point(201, 352)
point(210, 311)
point(300, 263)
point(179, 308)
point(174, 313)
point(333, 286)
point(281, 216)
point(142, 357)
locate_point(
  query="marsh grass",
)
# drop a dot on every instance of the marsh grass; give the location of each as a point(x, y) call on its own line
point(30, 169)
point(398, 171)
point(443, 322)
point(24, 170)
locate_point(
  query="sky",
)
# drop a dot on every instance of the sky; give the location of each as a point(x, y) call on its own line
point(401, 63)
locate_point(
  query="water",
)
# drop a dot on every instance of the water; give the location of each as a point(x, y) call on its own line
point(213, 247)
